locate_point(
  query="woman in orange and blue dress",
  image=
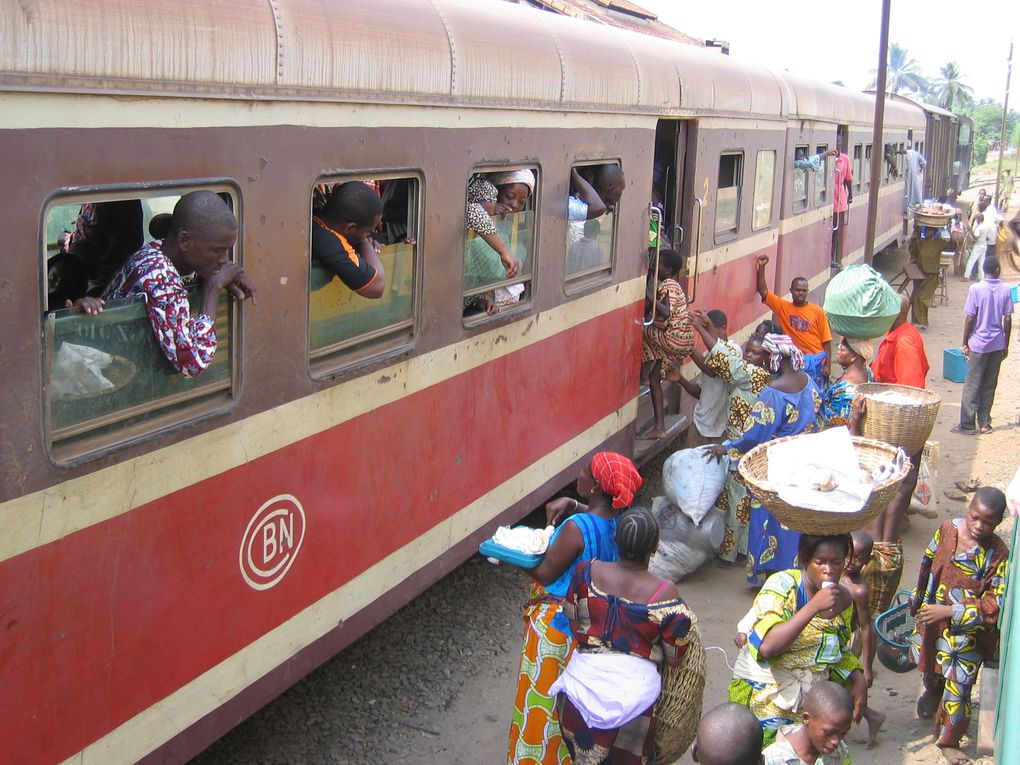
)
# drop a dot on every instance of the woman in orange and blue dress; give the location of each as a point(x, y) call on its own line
point(609, 482)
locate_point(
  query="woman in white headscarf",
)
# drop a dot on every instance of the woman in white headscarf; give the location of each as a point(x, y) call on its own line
point(853, 355)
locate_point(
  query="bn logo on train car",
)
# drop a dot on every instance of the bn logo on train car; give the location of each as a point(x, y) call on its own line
point(272, 541)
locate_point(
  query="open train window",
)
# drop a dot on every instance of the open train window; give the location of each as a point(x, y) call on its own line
point(363, 268)
point(856, 166)
point(591, 229)
point(727, 204)
point(764, 175)
point(800, 180)
point(866, 168)
point(499, 244)
point(822, 177)
point(109, 378)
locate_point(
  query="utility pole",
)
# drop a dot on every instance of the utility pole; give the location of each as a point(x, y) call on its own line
point(877, 142)
point(1002, 131)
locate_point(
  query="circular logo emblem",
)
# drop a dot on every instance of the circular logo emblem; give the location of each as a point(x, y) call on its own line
point(272, 541)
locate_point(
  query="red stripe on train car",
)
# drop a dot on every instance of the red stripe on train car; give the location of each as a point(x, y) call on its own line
point(104, 623)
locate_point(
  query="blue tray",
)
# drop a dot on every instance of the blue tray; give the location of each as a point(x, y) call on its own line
point(490, 549)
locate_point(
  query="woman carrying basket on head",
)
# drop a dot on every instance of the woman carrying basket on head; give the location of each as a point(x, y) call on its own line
point(610, 481)
point(626, 622)
point(787, 406)
point(800, 634)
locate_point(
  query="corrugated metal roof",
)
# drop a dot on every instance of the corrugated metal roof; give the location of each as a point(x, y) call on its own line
point(471, 52)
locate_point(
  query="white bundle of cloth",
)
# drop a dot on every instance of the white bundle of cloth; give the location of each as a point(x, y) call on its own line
point(819, 472)
point(523, 539)
point(609, 689)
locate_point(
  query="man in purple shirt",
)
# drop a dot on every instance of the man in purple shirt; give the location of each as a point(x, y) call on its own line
point(986, 327)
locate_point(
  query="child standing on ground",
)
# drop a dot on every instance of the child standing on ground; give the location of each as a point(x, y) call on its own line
point(828, 714)
point(864, 643)
point(959, 593)
point(669, 339)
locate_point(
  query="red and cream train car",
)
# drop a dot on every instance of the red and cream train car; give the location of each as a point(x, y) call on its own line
point(175, 552)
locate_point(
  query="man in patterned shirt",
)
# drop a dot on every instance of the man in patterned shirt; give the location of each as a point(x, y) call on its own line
point(202, 233)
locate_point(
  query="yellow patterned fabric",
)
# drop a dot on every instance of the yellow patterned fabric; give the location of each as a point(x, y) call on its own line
point(535, 737)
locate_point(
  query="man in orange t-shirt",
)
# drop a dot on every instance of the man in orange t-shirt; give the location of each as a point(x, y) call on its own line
point(804, 322)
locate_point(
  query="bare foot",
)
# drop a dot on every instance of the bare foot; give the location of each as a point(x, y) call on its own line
point(657, 433)
point(954, 756)
point(927, 703)
point(875, 720)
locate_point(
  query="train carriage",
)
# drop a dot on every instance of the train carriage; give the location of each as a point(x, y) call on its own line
point(178, 551)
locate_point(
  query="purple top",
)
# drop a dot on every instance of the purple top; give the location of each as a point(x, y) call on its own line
point(988, 301)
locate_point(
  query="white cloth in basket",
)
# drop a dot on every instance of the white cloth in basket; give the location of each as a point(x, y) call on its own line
point(798, 465)
point(609, 689)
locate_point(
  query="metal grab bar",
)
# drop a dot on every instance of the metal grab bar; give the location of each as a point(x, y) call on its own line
point(655, 214)
point(697, 249)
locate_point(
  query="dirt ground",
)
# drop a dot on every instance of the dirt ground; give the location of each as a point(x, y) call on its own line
point(719, 597)
point(435, 682)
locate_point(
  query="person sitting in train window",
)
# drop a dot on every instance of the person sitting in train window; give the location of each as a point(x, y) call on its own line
point(890, 161)
point(66, 280)
point(814, 163)
point(105, 235)
point(202, 232)
point(606, 182)
point(482, 203)
point(342, 238)
point(805, 323)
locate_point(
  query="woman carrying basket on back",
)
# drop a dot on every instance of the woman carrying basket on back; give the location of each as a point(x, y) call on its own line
point(626, 622)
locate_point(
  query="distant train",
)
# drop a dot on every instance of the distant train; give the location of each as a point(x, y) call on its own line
point(176, 552)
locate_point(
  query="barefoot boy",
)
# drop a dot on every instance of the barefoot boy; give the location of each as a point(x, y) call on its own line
point(865, 626)
point(828, 714)
point(959, 592)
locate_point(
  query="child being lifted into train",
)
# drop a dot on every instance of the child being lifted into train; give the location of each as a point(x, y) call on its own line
point(669, 339)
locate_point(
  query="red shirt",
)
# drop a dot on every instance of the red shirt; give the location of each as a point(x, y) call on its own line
point(901, 358)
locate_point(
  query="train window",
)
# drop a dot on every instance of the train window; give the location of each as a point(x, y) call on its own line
point(591, 233)
point(727, 205)
point(858, 152)
point(500, 241)
point(764, 174)
point(866, 169)
point(362, 277)
point(116, 376)
point(800, 181)
point(822, 177)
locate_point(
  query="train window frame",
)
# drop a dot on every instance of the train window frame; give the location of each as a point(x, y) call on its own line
point(120, 428)
point(582, 280)
point(799, 204)
point(821, 195)
point(761, 192)
point(737, 178)
point(328, 360)
point(530, 280)
point(856, 165)
point(869, 152)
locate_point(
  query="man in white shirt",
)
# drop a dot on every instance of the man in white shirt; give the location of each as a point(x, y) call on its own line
point(984, 230)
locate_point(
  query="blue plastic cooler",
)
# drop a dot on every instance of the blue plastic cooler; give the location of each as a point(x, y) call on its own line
point(954, 365)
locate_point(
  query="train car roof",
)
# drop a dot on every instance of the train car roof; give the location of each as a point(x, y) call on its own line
point(817, 100)
point(485, 53)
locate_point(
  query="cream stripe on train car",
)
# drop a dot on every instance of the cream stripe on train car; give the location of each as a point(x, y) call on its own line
point(50, 514)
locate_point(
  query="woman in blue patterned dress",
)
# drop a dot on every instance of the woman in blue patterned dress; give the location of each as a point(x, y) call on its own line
point(787, 406)
point(853, 355)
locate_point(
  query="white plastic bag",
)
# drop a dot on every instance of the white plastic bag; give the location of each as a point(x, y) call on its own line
point(927, 477)
point(683, 547)
point(713, 526)
point(692, 482)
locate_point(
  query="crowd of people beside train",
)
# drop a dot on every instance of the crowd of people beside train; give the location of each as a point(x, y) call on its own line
point(603, 634)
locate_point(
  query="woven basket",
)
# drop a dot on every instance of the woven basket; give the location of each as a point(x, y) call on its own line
point(679, 706)
point(899, 424)
point(754, 469)
point(894, 628)
point(938, 220)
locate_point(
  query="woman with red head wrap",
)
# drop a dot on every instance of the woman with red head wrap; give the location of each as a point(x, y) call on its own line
point(609, 483)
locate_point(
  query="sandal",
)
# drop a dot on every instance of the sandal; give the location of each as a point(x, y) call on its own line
point(985, 429)
point(955, 494)
point(970, 485)
point(963, 431)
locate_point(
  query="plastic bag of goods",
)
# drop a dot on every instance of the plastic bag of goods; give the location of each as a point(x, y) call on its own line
point(859, 303)
point(924, 495)
point(692, 482)
point(683, 547)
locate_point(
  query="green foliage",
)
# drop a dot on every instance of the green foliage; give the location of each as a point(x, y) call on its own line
point(903, 74)
point(980, 151)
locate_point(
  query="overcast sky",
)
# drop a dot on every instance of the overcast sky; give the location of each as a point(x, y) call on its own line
point(839, 41)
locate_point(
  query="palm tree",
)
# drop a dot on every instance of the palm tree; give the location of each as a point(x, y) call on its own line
point(949, 87)
point(902, 73)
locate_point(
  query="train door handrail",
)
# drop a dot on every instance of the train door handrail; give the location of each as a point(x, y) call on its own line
point(696, 244)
